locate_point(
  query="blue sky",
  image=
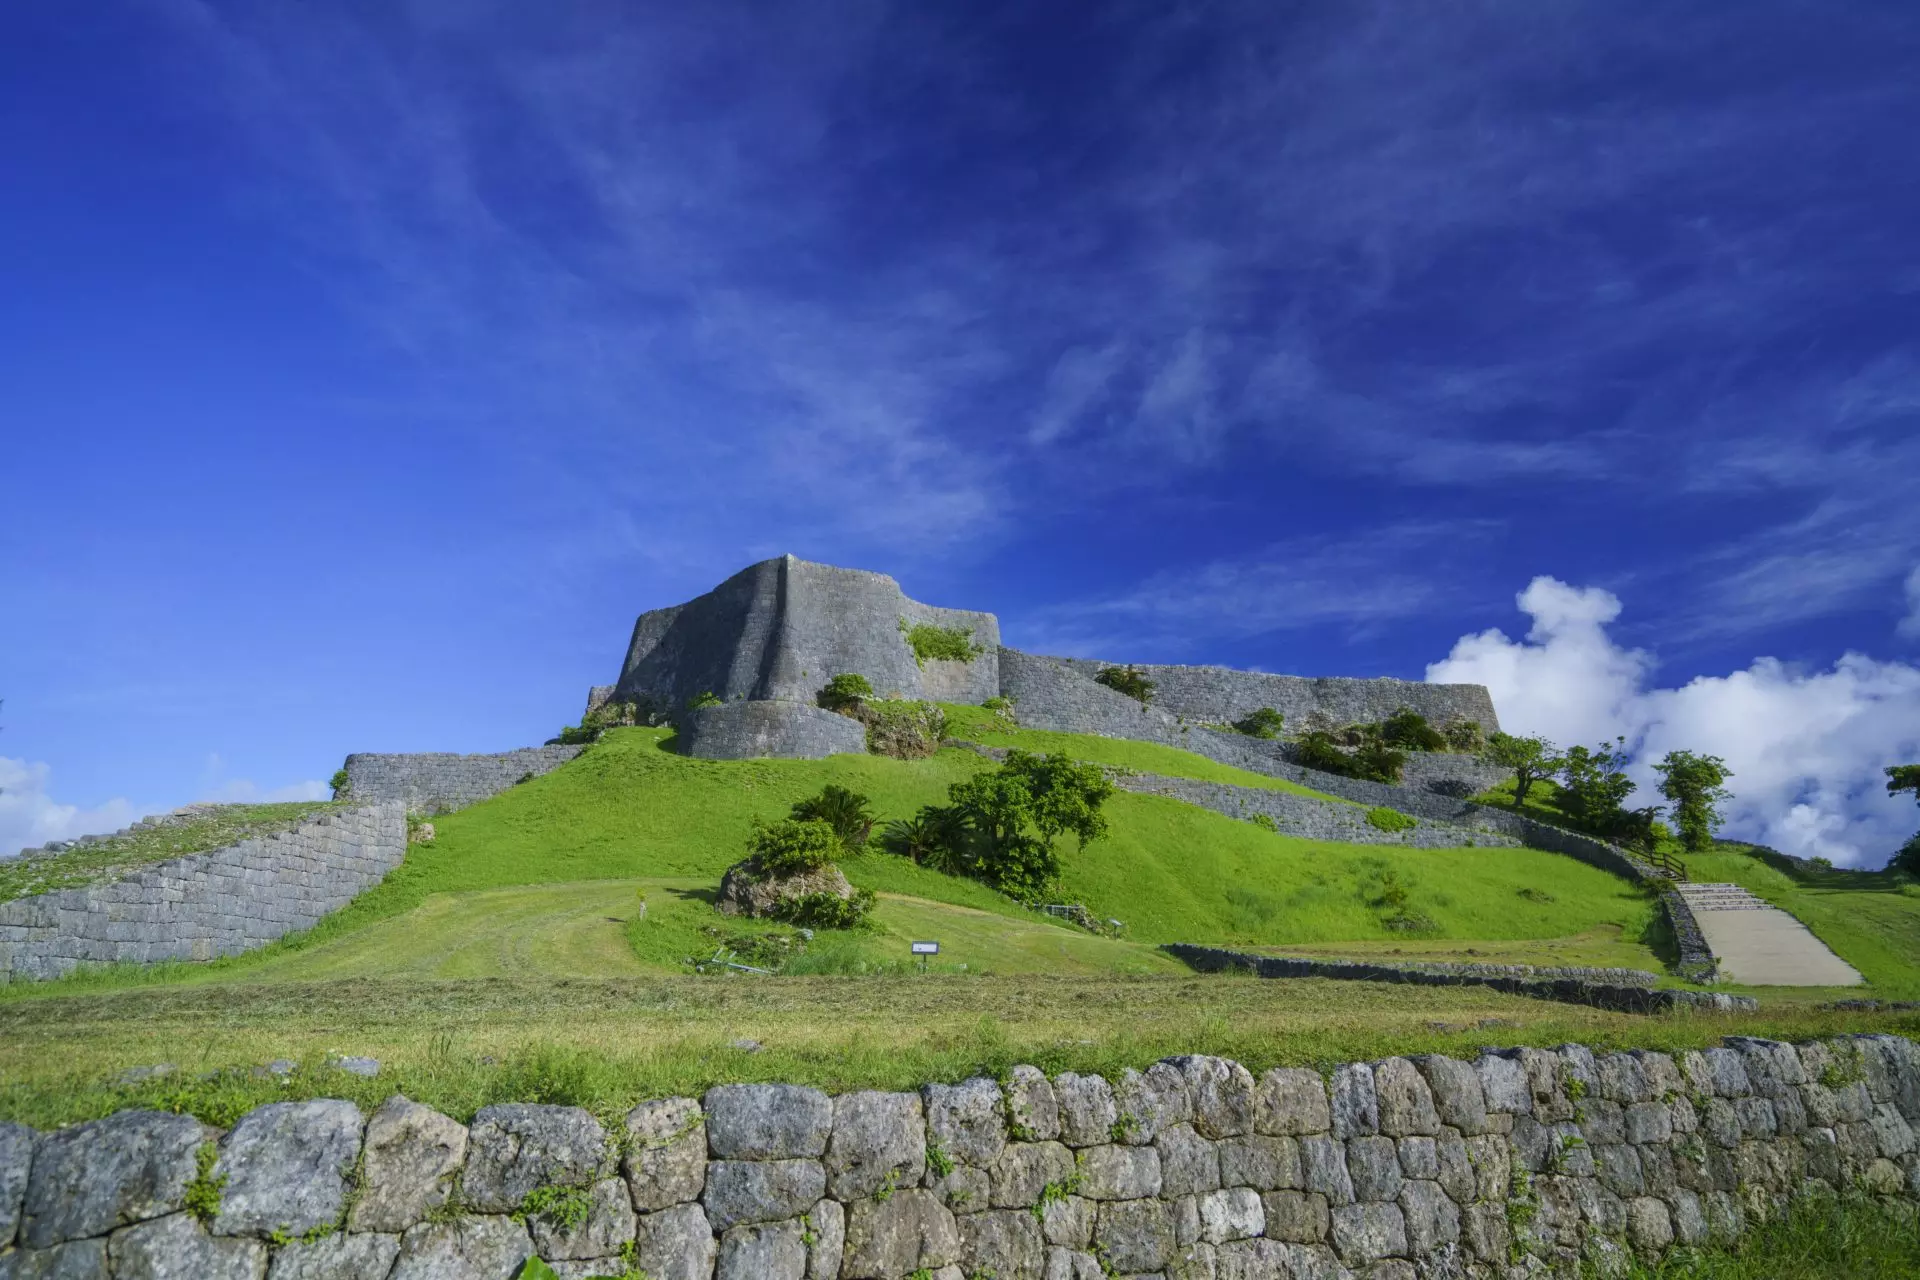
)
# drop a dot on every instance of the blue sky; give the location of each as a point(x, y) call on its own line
point(368, 366)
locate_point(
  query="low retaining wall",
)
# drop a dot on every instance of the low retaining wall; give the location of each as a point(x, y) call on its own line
point(1306, 816)
point(436, 781)
point(794, 730)
point(1697, 961)
point(1599, 990)
point(1498, 1167)
point(205, 905)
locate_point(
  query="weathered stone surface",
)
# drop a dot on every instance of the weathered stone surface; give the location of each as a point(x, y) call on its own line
point(1432, 1220)
point(1356, 1105)
point(1729, 1072)
point(966, 1120)
point(827, 1223)
point(1374, 1166)
point(747, 890)
point(767, 1122)
point(467, 1248)
point(1150, 1101)
point(606, 1229)
point(1364, 1233)
point(286, 1166)
point(1068, 1222)
point(16, 1157)
point(1033, 1114)
point(1087, 1112)
point(1622, 1080)
point(1485, 1231)
point(1115, 1172)
point(1231, 1214)
point(516, 1147)
point(907, 1231)
point(1265, 1164)
point(1504, 1082)
point(1025, 1169)
point(1134, 1235)
point(675, 1243)
point(78, 1260)
point(1406, 1103)
point(1456, 1174)
point(1006, 1244)
point(1420, 1157)
point(1457, 1095)
point(1299, 1216)
point(879, 1140)
point(177, 1248)
point(666, 1153)
point(762, 1251)
point(1291, 1102)
point(1323, 1164)
point(337, 1257)
point(411, 1155)
point(1072, 1264)
point(1221, 1093)
point(963, 1189)
point(1649, 1225)
point(745, 1191)
point(1189, 1164)
point(110, 1173)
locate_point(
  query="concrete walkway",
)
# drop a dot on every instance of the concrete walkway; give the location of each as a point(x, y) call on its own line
point(1761, 945)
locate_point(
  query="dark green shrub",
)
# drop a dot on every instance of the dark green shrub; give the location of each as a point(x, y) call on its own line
point(792, 846)
point(903, 730)
point(1129, 680)
point(1409, 730)
point(845, 692)
point(608, 715)
point(1264, 723)
point(928, 642)
point(1465, 737)
point(844, 811)
point(1385, 819)
point(1694, 785)
point(826, 910)
point(705, 698)
point(342, 785)
point(1908, 859)
point(1002, 827)
point(1373, 760)
point(1001, 707)
point(937, 837)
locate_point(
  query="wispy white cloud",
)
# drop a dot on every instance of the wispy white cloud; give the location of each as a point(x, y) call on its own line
point(31, 817)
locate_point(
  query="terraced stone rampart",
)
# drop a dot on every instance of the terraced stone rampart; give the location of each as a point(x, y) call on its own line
point(437, 781)
point(1515, 1163)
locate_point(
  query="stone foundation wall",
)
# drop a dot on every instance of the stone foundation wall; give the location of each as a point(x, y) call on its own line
point(205, 905)
point(436, 781)
point(794, 730)
point(1307, 817)
point(1503, 1166)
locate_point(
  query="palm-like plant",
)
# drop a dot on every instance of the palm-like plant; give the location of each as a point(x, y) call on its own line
point(844, 810)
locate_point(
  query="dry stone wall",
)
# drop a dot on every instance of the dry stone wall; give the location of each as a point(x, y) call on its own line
point(436, 781)
point(1517, 1163)
point(792, 730)
point(1307, 816)
point(206, 905)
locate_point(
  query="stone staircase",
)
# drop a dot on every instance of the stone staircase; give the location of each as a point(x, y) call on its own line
point(1758, 944)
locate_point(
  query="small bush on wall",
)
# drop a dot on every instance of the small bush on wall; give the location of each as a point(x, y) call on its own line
point(1264, 723)
point(1129, 680)
point(929, 642)
point(903, 730)
point(845, 692)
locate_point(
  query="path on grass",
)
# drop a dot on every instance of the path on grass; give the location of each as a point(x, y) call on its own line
point(1761, 945)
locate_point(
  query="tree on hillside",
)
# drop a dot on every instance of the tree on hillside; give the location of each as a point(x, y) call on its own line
point(1011, 818)
point(844, 810)
point(1694, 785)
point(1906, 777)
point(1594, 787)
point(1531, 760)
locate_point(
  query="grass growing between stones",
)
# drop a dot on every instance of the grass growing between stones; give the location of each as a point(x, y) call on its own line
point(1819, 1239)
point(606, 1044)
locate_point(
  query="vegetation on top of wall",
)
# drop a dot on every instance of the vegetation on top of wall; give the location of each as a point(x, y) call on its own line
point(608, 715)
point(1264, 723)
point(1373, 760)
point(1129, 680)
point(903, 729)
point(195, 829)
point(340, 783)
point(705, 698)
point(930, 642)
point(845, 692)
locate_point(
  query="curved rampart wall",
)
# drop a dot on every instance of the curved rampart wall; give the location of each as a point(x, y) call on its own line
point(437, 781)
point(1517, 1162)
point(745, 730)
point(206, 905)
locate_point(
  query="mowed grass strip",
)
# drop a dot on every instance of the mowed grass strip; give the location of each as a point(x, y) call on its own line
point(608, 1044)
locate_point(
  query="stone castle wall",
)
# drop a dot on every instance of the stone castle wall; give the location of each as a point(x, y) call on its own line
point(1503, 1166)
point(205, 905)
point(1308, 817)
point(1222, 695)
point(436, 781)
point(791, 730)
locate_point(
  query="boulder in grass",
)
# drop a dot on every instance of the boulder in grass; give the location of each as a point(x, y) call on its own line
point(746, 889)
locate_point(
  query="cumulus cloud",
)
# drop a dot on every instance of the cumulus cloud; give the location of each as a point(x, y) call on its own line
point(30, 817)
point(1806, 747)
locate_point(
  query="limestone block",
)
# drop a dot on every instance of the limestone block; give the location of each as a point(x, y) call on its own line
point(767, 1122)
point(1323, 1164)
point(1662, 1075)
point(78, 1260)
point(1729, 1072)
point(907, 1231)
point(412, 1153)
point(1420, 1157)
point(1458, 1097)
point(1374, 1166)
point(1648, 1225)
point(1033, 1113)
point(1221, 1093)
point(109, 1173)
point(1087, 1111)
point(762, 1251)
point(608, 1226)
point(1291, 1102)
point(177, 1248)
point(1189, 1164)
point(467, 1248)
point(1068, 1222)
point(879, 1140)
point(1005, 1243)
point(1231, 1214)
point(1263, 1163)
point(675, 1244)
point(1024, 1171)
point(1689, 1218)
point(16, 1158)
point(1503, 1081)
point(963, 1189)
point(666, 1153)
point(337, 1257)
point(1891, 1131)
point(1618, 1168)
point(1072, 1264)
point(1406, 1103)
point(739, 1192)
point(1490, 1159)
point(1134, 1235)
point(1648, 1122)
point(1356, 1105)
point(514, 1148)
point(1116, 1172)
point(826, 1223)
point(1150, 1101)
point(286, 1167)
point(1432, 1220)
point(1622, 1080)
point(1364, 1233)
point(1299, 1216)
point(1484, 1231)
point(1756, 1117)
point(1721, 1123)
point(966, 1120)
point(1545, 1085)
